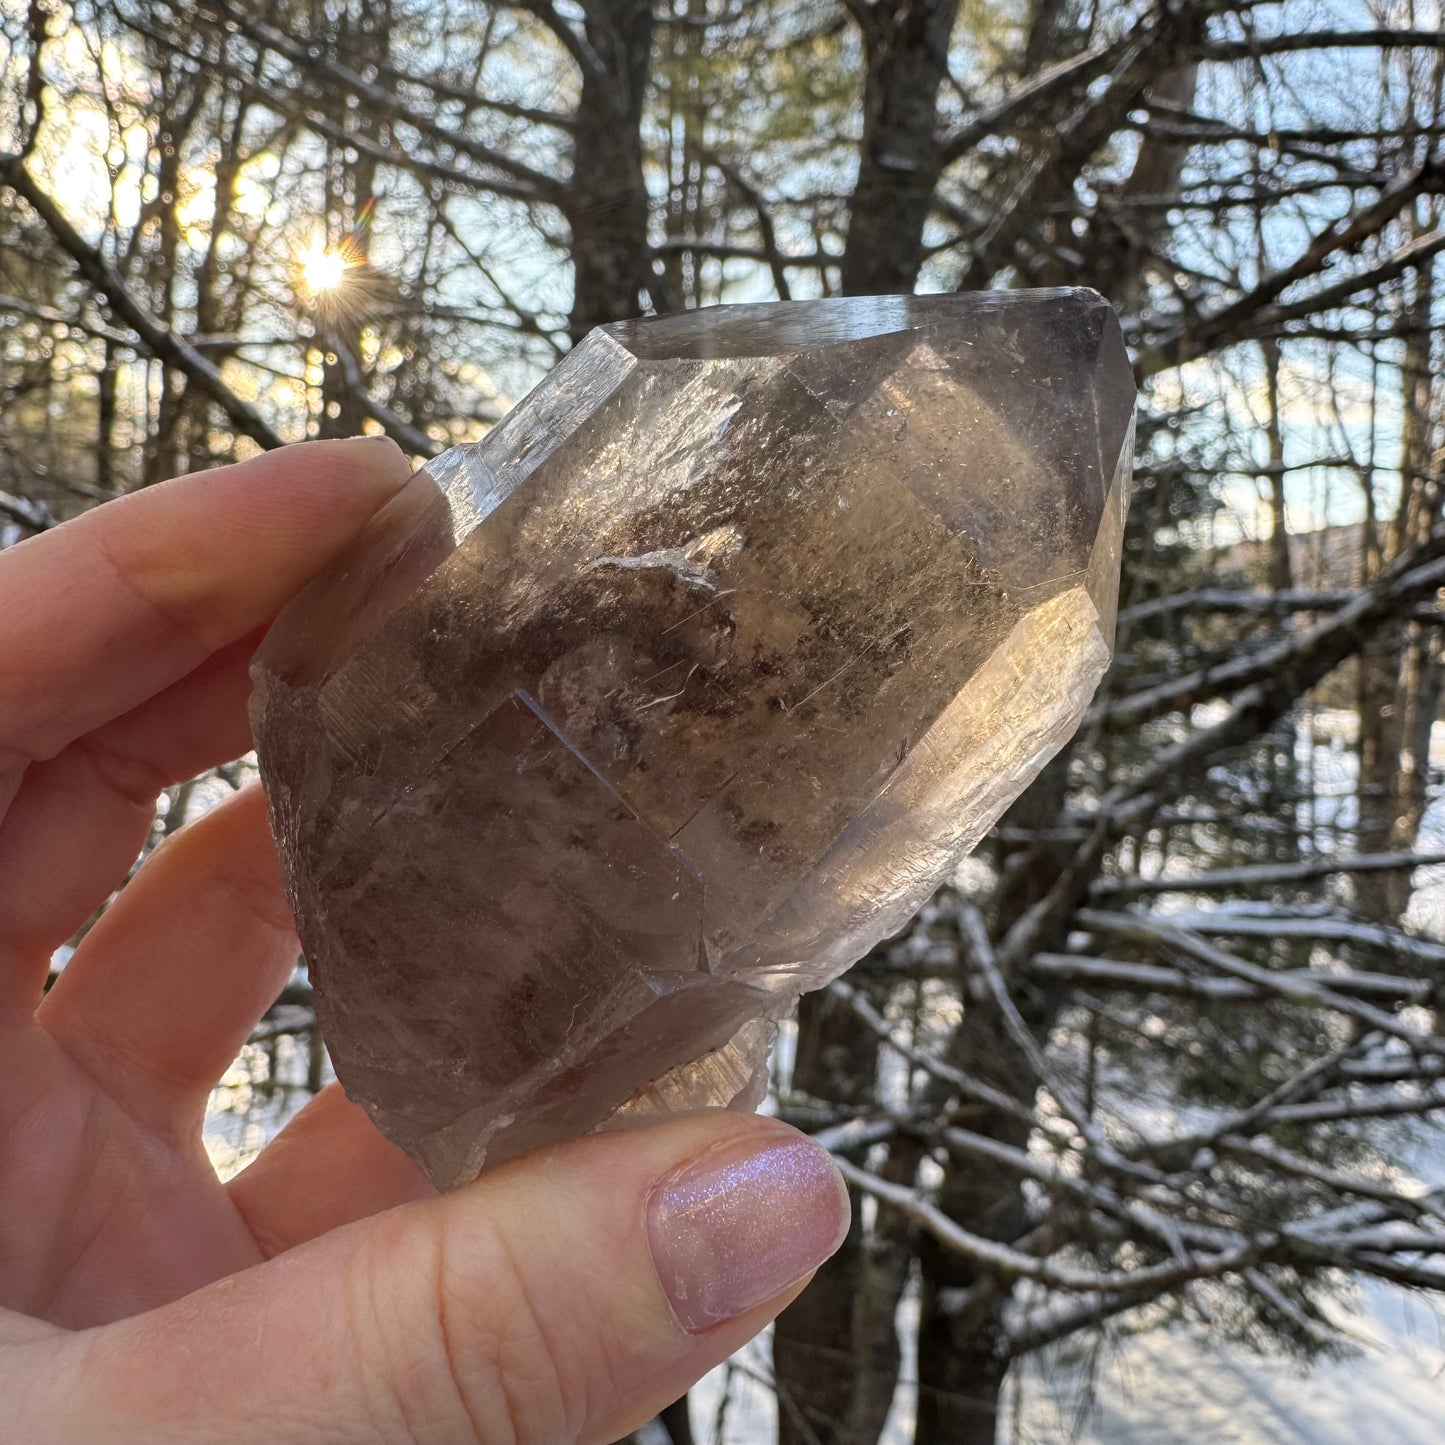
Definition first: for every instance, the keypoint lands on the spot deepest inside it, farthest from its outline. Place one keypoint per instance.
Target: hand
(325, 1293)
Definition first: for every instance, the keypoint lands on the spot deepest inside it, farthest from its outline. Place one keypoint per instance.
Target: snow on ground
(1173, 1387)
(1178, 1385)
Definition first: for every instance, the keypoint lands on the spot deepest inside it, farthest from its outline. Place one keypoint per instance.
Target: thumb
(567, 1296)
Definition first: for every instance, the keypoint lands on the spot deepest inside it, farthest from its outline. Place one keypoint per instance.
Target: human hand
(325, 1293)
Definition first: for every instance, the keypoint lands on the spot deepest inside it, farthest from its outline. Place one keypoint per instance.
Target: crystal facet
(617, 730)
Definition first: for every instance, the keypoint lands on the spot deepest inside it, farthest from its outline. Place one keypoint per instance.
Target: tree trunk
(849, 1311)
(905, 43)
(963, 1353)
(1281, 573)
(837, 1060)
(883, 1272)
(181, 104)
(1129, 237)
(105, 422)
(962, 1348)
(1054, 32)
(1400, 673)
(606, 203)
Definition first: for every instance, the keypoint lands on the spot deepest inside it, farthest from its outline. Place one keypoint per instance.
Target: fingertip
(370, 462)
(742, 1222)
(709, 1225)
(320, 492)
(224, 550)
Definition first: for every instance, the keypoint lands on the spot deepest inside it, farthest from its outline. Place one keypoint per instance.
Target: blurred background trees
(1170, 1047)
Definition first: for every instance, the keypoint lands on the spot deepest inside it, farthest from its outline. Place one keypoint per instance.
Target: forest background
(1162, 1064)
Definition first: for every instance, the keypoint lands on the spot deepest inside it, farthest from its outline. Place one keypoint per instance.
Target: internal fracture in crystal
(664, 702)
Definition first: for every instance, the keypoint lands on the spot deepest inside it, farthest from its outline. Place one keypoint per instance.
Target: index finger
(123, 665)
(115, 606)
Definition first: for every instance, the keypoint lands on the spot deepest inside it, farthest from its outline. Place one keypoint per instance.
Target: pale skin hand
(323, 1294)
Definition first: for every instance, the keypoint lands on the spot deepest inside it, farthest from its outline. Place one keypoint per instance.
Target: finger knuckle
(483, 1360)
(493, 1313)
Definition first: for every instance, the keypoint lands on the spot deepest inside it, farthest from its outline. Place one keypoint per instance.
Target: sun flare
(322, 269)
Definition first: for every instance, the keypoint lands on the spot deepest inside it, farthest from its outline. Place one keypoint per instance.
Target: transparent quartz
(663, 703)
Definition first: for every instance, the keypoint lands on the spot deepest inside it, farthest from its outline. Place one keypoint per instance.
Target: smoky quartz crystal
(669, 698)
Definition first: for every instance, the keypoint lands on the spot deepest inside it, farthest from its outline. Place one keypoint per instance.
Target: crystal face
(617, 730)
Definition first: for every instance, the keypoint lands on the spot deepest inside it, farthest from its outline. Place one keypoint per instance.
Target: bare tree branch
(106, 281)
(1289, 984)
(1263, 875)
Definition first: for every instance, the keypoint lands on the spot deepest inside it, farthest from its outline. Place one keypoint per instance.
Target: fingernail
(373, 441)
(374, 448)
(736, 1226)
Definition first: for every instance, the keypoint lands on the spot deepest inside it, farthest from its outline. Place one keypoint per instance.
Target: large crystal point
(620, 728)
